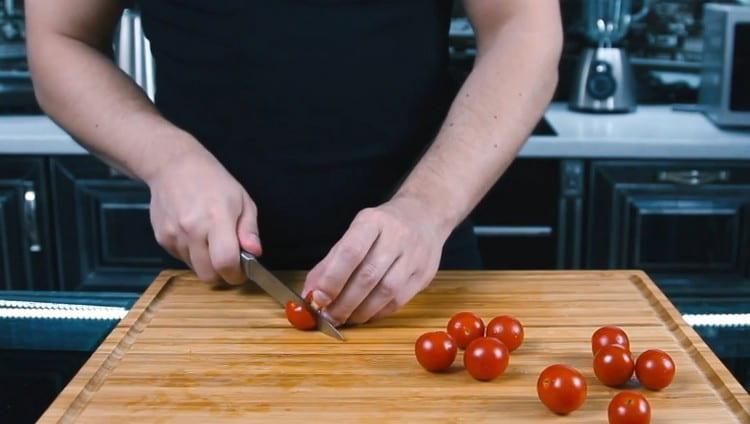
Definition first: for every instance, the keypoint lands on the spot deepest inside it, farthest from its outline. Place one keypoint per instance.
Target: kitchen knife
(281, 293)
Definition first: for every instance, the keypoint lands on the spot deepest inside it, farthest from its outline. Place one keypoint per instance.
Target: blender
(604, 78)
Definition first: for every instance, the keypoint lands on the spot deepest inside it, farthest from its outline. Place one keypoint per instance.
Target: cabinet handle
(512, 231)
(32, 223)
(693, 177)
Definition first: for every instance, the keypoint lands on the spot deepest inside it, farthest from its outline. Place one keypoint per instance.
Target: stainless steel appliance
(604, 80)
(725, 79)
(133, 52)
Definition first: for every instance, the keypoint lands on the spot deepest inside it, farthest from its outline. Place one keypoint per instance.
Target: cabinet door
(24, 237)
(669, 216)
(105, 240)
(517, 222)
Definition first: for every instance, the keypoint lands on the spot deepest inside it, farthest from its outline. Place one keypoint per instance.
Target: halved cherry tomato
(435, 351)
(561, 388)
(609, 335)
(486, 358)
(629, 408)
(465, 327)
(655, 369)
(299, 316)
(613, 365)
(506, 329)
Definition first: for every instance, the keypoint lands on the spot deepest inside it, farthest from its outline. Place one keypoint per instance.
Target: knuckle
(328, 282)
(390, 288)
(369, 274)
(349, 252)
(188, 225)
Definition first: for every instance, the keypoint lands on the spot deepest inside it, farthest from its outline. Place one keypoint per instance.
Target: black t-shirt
(318, 107)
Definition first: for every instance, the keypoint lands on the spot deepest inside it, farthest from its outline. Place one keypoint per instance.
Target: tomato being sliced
(629, 408)
(561, 388)
(486, 358)
(655, 369)
(609, 335)
(506, 329)
(435, 351)
(299, 316)
(464, 327)
(613, 365)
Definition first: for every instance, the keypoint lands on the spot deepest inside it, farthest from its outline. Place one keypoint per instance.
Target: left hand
(388, 255)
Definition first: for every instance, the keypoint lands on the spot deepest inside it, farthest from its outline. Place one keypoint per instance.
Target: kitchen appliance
(133, 51)
(725, 79)
(282, 294)
(604, 80)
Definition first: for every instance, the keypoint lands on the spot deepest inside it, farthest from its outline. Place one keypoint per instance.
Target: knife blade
(282, 294)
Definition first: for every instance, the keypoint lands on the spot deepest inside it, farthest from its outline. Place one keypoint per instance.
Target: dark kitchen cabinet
(531, 218)
(25, 249)
(669, 217)
(102, 226)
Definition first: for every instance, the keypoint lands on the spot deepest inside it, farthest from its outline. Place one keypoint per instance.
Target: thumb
(247, 227)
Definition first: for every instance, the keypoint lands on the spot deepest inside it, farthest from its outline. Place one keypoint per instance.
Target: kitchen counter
(653, 131)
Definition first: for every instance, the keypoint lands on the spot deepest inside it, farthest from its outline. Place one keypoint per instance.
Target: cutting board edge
(718, 375)
(75, 397)
(82, 387)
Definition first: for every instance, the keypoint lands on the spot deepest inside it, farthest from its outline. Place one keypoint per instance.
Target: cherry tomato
(435, 351)
(613, 365)
(465, 327)
(629, 408)
(610, 335)
(655, 369)
(486, 358)
(561, 388)
(506, 329)
(299, 316)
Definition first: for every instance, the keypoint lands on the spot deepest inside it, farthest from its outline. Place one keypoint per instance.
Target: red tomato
(465, 327)
(606, 336)
(435, 351)
(561, 388)
(655, 369)
(299, 316)
(506, 329)
(613, 365)
(629, 408)
(486, 358)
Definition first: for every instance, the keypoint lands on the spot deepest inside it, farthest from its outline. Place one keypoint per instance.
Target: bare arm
(77, 84)
(512, 82)
(199, 212)
(392, 252)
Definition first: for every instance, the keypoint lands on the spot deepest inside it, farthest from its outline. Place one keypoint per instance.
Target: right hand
(202, 216)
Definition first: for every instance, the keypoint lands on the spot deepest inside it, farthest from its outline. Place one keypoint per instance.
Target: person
(328, 129)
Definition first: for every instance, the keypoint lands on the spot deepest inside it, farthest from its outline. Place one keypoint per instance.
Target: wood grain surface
(190, 352)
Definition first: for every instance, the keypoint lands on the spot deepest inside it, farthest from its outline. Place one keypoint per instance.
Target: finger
(183, 252)
(201, 261)
(391, 308)
(247, 227)
(415, 285)
(224, 251)
(368, 274)
(331, 274)
(394, 281)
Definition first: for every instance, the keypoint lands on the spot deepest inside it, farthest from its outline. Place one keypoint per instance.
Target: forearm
(102, 108)
(501, 101)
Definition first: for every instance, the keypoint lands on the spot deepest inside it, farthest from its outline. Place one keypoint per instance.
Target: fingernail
(321, 298)
(253, 238)
(329, 318)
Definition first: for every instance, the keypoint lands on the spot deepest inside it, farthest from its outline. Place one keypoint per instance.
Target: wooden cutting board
(188, 352)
